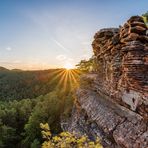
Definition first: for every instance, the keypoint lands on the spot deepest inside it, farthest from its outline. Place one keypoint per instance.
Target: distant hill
(16, 70)
(3, 69)
(19, 84)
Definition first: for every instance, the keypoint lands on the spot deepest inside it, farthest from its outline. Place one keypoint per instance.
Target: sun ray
(76, 74)
(62, 79)
(57, 76)
(79, 72)
(73, 75)
(65, 81)
(68, 79)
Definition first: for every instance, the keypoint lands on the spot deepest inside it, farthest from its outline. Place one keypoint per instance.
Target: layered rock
(123, 62)
(112, 103)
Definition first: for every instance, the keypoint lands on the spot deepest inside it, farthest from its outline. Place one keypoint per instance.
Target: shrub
(66, 140)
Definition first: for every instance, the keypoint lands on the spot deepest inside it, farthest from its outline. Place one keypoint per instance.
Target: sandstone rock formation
(112, 103)
(122, 57)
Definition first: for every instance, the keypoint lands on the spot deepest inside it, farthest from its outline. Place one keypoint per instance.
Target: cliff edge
(112, 102)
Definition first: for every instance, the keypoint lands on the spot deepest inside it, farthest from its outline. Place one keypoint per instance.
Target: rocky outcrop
(122, 57)
(112, 103)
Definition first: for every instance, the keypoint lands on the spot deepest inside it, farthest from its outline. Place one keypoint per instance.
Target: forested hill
(17, 84)
(3, 69)
(28, 98)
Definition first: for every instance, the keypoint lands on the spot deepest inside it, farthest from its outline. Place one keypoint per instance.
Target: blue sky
(41, 34)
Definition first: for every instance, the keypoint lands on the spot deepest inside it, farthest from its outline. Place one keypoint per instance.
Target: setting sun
(68, 66)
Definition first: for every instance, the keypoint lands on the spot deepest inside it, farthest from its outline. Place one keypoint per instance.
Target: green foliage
(66, 140)
(23, 117)
(48, 110)
(20, 119)
(35, 144)
(145, 17)
(13, 116)
(7, 136)
(27, 84)
(87, 65)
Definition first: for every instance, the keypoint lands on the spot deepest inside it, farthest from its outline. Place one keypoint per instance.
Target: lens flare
(68, 66)
(68, 78)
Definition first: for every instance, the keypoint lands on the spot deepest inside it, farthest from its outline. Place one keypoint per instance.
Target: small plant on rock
(66, 140)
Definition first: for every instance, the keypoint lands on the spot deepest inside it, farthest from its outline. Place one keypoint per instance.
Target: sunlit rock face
(112, 103)
(122, 57)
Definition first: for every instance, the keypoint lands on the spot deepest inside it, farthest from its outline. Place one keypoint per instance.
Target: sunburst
(68, 66)
(68, 79)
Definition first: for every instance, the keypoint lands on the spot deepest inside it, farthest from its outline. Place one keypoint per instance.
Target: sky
(43, 34)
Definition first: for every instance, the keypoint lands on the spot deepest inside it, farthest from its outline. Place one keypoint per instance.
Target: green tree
(46, 111)
(87, 65)
(35, 144)
(7, 136)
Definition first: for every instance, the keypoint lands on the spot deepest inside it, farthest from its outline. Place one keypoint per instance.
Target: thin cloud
(10, 62)
(5, 62)
(16, 62)
(70, 59)
(61, 57)
(60, 45)
(8, 48)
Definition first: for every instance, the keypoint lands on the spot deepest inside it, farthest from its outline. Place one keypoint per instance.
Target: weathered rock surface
(123, 64)
(112, 103)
